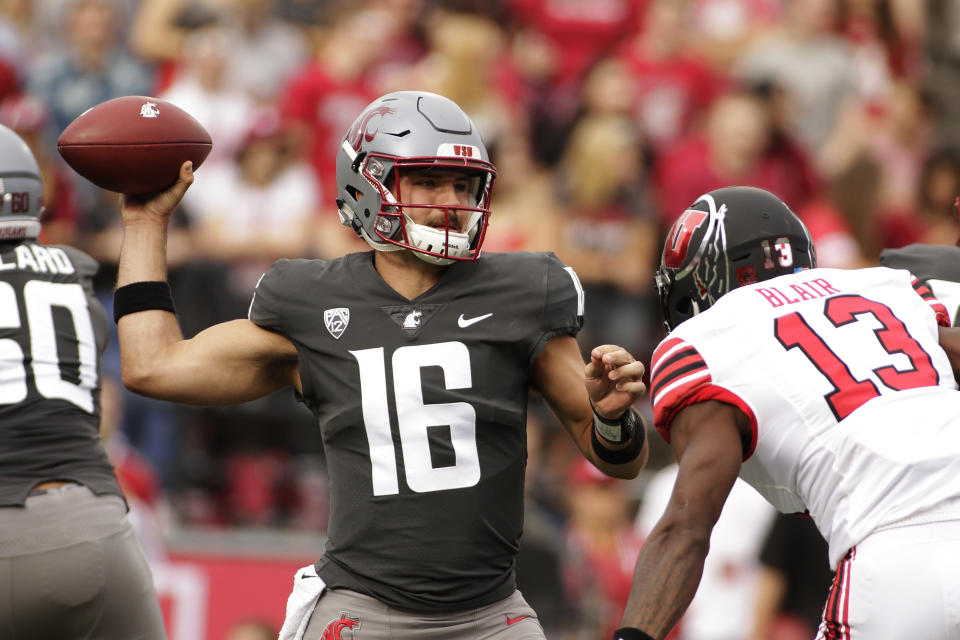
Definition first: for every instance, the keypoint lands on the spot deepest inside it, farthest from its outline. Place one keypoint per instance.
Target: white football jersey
(854, 406)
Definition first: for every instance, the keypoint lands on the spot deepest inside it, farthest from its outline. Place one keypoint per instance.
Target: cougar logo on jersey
(412, 321)
(336, 321)
(336, 629)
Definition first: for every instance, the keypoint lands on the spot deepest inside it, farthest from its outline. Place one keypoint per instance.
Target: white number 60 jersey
(854, 406)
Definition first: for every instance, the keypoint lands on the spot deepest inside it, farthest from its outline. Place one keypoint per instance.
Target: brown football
(133, 144)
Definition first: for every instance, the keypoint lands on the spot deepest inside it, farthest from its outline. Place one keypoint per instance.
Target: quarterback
(416, 358)
(826, 390)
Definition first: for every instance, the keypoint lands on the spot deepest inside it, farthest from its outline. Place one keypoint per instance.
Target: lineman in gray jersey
(416, 359)
(70, 565)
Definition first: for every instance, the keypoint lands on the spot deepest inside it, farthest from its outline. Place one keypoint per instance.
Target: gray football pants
(348, 615)
(71, 568)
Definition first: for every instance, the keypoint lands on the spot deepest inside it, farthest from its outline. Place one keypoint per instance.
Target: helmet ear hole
(352, 191)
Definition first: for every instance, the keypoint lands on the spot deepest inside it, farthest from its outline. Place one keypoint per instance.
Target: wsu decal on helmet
(336, 629)
(361, 130)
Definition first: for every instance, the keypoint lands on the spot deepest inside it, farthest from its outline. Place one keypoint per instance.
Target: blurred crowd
(605, 119)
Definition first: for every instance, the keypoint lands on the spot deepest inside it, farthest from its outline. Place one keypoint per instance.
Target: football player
(937, 266)
(70, 564)
(829, 392)
(416, 358)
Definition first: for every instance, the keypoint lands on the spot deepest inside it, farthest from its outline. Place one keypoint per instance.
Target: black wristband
(629, 633)
(613, 431)
(142, 296)
(631, 422)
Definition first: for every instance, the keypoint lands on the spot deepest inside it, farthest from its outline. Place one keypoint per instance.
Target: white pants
(898, 584)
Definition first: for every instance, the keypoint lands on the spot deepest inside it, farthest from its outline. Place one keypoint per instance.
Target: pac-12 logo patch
(678, 240)
(336, 321)
(342, 628)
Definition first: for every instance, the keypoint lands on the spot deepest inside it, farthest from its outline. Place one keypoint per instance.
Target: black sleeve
(274, 295)
(563, 303)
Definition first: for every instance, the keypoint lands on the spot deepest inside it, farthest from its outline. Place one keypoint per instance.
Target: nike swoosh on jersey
(466, 322)
(511, 621)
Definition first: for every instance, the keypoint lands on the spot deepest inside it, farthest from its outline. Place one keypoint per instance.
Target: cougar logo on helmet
(427, 132)
(361, 132)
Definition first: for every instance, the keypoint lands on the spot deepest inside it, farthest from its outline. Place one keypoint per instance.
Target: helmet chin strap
(436, 240)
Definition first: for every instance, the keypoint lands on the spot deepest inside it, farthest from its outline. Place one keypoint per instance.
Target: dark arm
(706, 438)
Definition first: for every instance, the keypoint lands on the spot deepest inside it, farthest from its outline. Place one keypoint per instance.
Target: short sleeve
(563, 302)
(271, 295)
(679, 376)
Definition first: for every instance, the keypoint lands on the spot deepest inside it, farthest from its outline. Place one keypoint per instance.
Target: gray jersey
(422, 408)
(52, 332)
(936, 265)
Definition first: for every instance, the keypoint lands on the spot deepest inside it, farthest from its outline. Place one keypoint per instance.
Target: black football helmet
(728, 238)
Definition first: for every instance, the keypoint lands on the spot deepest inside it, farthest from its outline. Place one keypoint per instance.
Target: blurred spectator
(465, 59)
(323, 96)
(722, 29)
(729, 585)
(811, 63)
(204, 90)
(794, 580)
(555, 44)
(742, 145)
(30, 118)
(89, 67)
(602, 548)
(674, 86)
(525, 213)
(837, 245)
(942, 71)
(254, 209)
(896, 136)
(939, 183)
(576, 34)
(608, 229)
(264, 50)
(886, 37)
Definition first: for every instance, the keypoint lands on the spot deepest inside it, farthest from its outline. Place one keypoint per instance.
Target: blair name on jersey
(39, 259)
(816, 288)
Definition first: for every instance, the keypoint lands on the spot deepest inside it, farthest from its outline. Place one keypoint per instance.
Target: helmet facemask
(445, 242)
(407, 131)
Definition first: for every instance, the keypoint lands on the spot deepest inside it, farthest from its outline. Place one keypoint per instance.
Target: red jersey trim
(713, 392)
(680, 377)
(943, 317)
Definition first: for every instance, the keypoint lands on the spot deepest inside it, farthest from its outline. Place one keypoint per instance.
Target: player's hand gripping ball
(133, 144)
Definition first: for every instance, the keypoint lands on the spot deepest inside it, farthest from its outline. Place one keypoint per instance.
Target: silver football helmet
(412, 130)
(21, 188)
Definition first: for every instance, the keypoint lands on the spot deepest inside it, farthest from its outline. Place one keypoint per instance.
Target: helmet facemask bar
(440, 244)
(705, 275)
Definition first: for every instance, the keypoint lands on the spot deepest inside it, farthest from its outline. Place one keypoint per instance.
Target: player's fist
(614, 380)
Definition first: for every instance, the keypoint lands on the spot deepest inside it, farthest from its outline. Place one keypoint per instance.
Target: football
(133, 144)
